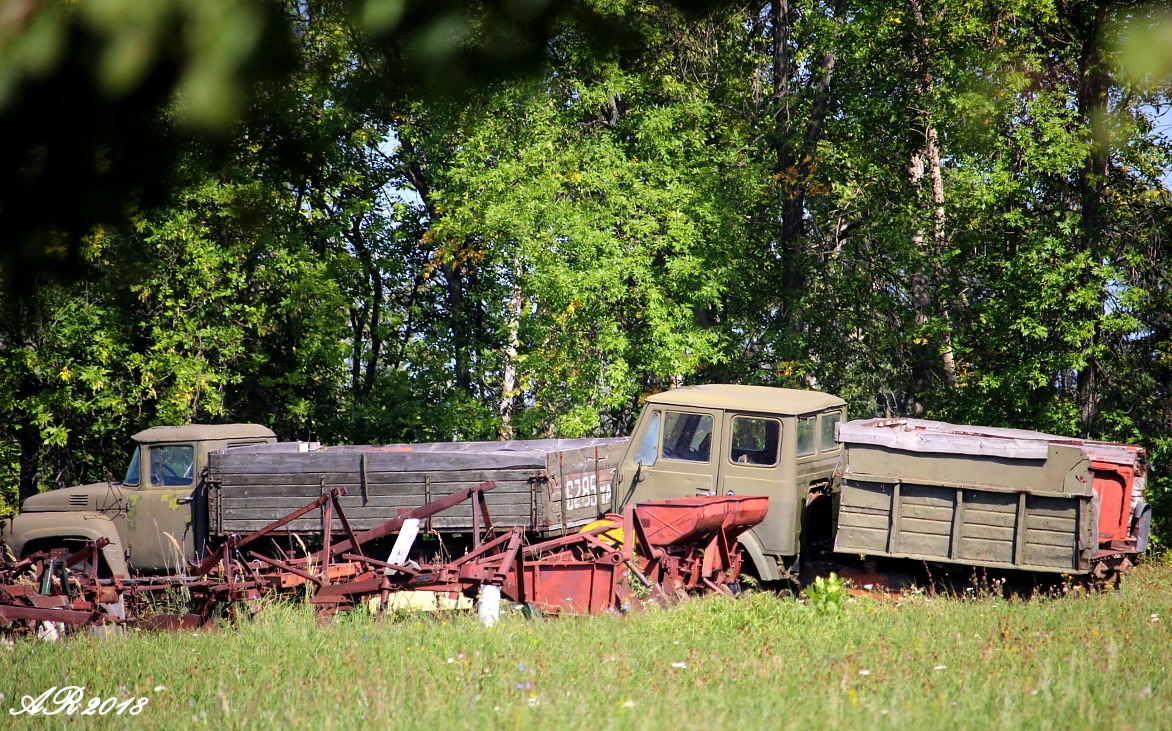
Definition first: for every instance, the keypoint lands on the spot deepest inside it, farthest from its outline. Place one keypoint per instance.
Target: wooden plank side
(373, 491)
(929, 526)
(864, 517)
(580, 485)
(380, 514)
(864, 520)
(861, 540)
(922, 545)
(1049, 538)
(866, 495)
(993, 502)
(289, 504)
(973, 516)
(326, 460)
(313, 528)
(395, 478)
(1060, 525)
(925, 527)
(1049, 507)
(996, 528)
(986, 550)
(927, 496)
(987, 532)
(1051, 557)
(257, 482)
(927, 512)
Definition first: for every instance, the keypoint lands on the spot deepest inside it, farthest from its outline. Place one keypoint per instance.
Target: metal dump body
(543, 486)
(983, 496)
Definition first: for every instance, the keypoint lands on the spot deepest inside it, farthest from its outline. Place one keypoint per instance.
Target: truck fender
(1141, 525)
(766, 567)
(29, 528)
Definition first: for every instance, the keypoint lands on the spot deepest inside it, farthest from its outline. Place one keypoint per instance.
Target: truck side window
(755, 441)
(828, 422)
(806, 435)
(648, 450)
(172, 465)
(687, 436)
(132, 470)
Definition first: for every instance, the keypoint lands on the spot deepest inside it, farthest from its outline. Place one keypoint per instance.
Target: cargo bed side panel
(969, 526)
(252, 489)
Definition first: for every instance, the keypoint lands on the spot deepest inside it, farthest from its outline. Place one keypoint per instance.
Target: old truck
(901, 488)
(188, 487)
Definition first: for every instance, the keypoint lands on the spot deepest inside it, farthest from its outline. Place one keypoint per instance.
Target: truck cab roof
(201, 432)
(762, 399)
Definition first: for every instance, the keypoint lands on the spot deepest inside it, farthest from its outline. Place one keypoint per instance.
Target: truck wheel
(73, 545)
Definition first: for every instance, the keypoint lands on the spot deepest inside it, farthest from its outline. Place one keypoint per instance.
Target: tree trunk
(1093, 83)
(454, 273)
(28, 437)
(927, 280)
(795, 160)
(509, 372)
(457, 321)
(936, 176)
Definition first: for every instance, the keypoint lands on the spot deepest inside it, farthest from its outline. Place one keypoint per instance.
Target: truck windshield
(649, 447)
(132, 470)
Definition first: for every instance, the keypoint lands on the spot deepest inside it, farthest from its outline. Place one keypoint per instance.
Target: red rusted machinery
(48, 590)
(654, 551)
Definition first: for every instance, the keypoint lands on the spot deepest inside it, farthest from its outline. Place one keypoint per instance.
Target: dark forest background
(382, 220)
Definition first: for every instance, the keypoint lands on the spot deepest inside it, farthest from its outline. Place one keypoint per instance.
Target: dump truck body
(982, 496)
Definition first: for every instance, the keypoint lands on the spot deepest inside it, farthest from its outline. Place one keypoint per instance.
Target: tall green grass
(760, 661)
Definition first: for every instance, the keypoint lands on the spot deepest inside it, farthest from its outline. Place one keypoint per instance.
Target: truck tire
(72, 545)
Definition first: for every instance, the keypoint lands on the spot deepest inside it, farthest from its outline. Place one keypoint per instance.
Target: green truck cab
(726, 439)
(152, 518)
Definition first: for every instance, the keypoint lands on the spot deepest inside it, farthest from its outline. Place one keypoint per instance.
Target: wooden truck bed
(985, 497)
(544, 486)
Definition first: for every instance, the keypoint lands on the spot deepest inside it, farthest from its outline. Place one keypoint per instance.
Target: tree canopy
(387, 220)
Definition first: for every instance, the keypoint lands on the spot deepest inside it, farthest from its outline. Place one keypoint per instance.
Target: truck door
(160, 520)
(677, 450)
(750, 464)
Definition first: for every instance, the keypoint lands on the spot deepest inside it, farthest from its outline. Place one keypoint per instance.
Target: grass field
(1096, 662)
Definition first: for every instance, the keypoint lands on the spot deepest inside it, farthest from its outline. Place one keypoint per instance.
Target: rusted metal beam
(394, 524)
(65, 616)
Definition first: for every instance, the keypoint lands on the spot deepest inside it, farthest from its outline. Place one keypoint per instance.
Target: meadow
(760, 661)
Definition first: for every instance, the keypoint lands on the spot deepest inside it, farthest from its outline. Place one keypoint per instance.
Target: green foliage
(430, 225)
(826, 594)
